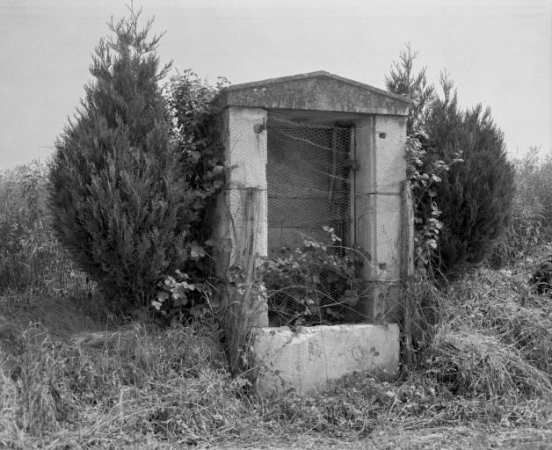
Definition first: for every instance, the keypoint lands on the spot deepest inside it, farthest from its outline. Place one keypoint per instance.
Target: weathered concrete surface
(307, 359)
(389, 158)
(245, 149)
(380, 153)
(317, 91)
(378, 119)
(239, 223)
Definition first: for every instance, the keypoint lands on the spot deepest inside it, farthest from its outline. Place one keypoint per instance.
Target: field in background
(72, 376)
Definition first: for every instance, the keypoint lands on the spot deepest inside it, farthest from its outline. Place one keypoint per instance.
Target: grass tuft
(471, 364)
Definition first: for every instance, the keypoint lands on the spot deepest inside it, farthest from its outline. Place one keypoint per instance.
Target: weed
(318, 283)
(531, 210)
(31, 259)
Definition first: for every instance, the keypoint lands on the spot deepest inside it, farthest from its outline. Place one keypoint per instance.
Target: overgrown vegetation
(72, 378)
(462, 179)
(531, 224)
(121, 195)
(31, 258)
(488, 370)
(319, 283)
(189, 291)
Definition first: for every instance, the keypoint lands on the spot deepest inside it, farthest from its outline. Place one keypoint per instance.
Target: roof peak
(316, 74)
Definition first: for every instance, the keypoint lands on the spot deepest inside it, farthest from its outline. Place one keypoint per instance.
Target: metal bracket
(351, 164)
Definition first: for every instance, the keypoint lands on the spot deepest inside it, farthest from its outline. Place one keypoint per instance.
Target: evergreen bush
(462, 180)
(475, 196)
(119, 194)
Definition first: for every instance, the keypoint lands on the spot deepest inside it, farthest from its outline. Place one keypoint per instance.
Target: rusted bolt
(259, 128)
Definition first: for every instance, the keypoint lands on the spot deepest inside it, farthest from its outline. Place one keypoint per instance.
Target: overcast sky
(499, 53)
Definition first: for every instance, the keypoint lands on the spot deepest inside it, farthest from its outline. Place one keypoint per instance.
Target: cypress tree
(118, 195)
(474, 196)
(403, 81)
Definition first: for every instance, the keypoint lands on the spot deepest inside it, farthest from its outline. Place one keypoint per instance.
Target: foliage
(427, 227)
(530, 226)
(121, 200)
(30, 256)
(487, 371)
(194, 133)
(423, 306)
(317, 283)
(461, 178)
(475, 196)
(535, 181)
(423, 173)
(243, 303)
(180, 298)
(403, 81)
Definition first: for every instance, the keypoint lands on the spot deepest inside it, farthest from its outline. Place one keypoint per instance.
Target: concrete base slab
(310, 357)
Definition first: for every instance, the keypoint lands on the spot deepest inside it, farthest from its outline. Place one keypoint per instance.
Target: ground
(72, 381)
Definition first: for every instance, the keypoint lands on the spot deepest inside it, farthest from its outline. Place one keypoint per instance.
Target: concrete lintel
(317, 91)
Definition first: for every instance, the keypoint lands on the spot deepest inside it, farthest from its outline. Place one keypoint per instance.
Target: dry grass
(98, 388)
(472, 364)
(70, 379)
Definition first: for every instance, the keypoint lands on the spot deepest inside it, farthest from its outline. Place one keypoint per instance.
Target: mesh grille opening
(309, 187)
(309, 181)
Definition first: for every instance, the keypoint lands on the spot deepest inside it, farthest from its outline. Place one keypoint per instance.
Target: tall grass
(98, 385)
(31, 259)
(531, 224)
(489, 365)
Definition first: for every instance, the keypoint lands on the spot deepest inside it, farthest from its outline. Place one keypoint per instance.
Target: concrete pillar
(380, 152)
(240, 223)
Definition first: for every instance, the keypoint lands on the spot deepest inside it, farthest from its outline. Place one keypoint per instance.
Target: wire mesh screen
(308, 182)
(309, 189)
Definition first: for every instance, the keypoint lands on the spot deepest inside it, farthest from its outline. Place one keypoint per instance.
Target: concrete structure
(378, 122)
(312, 356)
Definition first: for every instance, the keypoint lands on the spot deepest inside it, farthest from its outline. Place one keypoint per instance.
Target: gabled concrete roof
(317, 91)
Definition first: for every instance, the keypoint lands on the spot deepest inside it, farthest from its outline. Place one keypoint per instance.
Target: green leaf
(162, 296)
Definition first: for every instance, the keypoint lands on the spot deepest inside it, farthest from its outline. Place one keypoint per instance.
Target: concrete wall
(312, 356)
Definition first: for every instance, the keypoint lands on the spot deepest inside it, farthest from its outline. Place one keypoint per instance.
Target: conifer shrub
(423, 172)
(120, 194)
(462, 180)
(475, 196)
